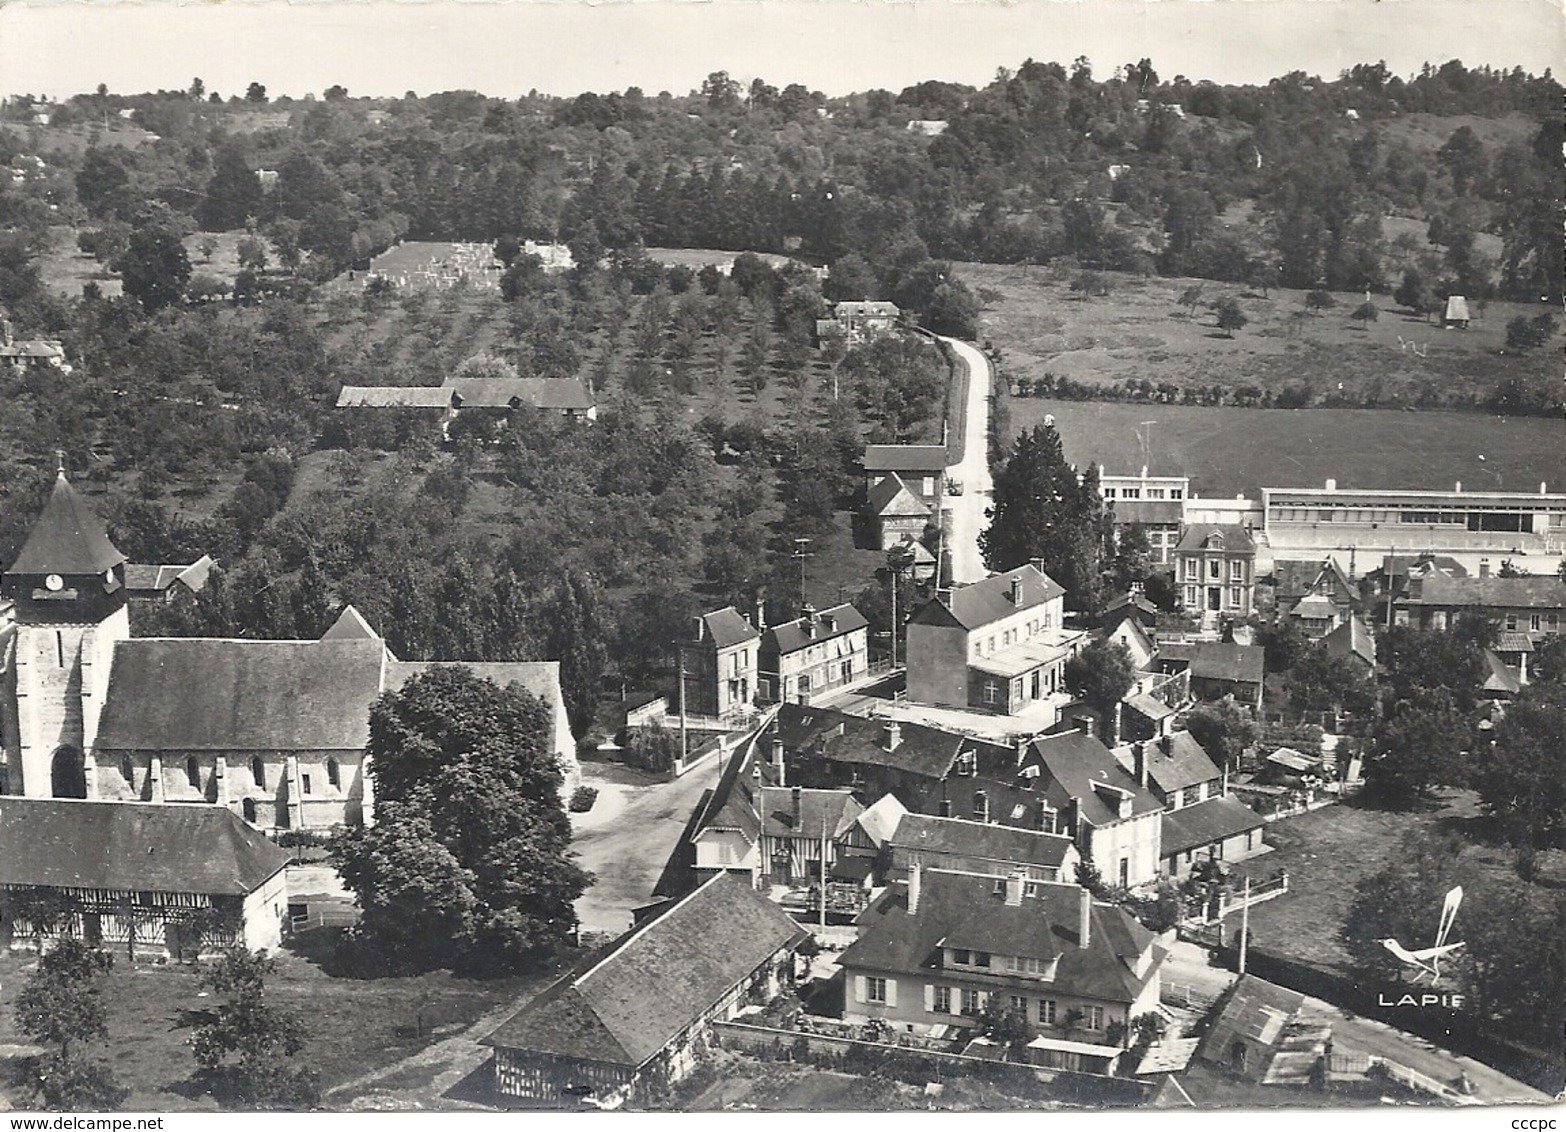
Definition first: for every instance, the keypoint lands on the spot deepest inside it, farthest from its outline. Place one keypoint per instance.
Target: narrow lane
(967, 510)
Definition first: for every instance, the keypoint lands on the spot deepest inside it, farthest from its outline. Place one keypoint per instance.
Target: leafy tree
(1400, 902)
(1523, 333)
(256, 93)
(1284, 643)
(1415, 293)
(1191, 298)
(1521, 783)
(1005, 1024)
(103, 184)
(1415, 659)
(1318, 301)
(244, 1049)
(1365, 314)
(1224, 729)
(1043, 510)
(1230, 316)
(1418, 746)
(468, 862)
(1101, 674)
(252, 254)
(953, 310)
(62, 1005)
(1323, 682)
(233, 194)
(1549, 658)
(154, 267)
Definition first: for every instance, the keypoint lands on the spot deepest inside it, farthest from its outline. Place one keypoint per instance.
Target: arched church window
(248, 809)
(334, 773)
(67, 774)
(258, 771)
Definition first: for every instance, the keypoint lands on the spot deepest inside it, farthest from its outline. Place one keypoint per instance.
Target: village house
(639, 1018)
(174, 881)
(274, 731)
(1215, 570)
(859, 321)
(899, 515)
(719, 666)
(34, 353)
(1258, 1035)
(167, 583)
(1317, 595)
(816, 652)
(1533, 605)
(959, 845)
(1353, 641)
(996, 646)
(936, 950)
(1217, 669)
(1200, 820)
(920, 467)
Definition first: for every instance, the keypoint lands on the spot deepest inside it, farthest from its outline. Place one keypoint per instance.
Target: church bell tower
(68, 586)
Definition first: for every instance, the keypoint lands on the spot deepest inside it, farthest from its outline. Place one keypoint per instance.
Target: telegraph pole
(823, 873)
(684, 744)
(800, 554)
(1245, 924)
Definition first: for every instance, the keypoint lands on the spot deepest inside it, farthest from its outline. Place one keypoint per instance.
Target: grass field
(1140, 331)
(1229, 451)
(354, 1025)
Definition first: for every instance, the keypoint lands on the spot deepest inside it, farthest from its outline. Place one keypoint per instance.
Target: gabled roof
(905, 458)
(1191, 827)
(1296, 578)
(1498, 677)
(1513, 640)
(1082, 769)
(68, 538)
(1217, 660)
(1230, 538)
(1175, 762)
(160, 579)
(921, 833)
(132, 847)
(725, 628)
(891, 498)
(655, 981)
(1399, 566)
(1456, 309)
(983, 603)
(965, 910)
(394, 397)
(350, 626)
(871, 308)
(791, 636)
(536, 392)
(1547, 591)
(880, 819)
(1255, 1012)
(833, 811)
(1127, 605)
(1352, 638)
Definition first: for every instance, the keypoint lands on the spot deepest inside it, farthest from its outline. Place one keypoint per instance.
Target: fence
(1185, 996)
(1227, 900)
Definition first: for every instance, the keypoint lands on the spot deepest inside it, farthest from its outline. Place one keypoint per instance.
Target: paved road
(967, 510)
(626, 838)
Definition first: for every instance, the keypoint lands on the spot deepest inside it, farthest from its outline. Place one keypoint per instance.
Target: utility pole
(684, 744)
(800, 554)
(1245, 924)
(823, 872)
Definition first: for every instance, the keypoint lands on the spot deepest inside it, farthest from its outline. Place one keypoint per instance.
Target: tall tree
(1101, 674)
(154, 267)
(233, 194)
(1520, 781)
(1419, 745)
(1044, 510)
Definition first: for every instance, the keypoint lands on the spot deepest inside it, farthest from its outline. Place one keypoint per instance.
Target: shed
(1456, 312)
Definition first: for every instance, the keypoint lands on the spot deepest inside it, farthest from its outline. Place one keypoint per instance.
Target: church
(273, 731)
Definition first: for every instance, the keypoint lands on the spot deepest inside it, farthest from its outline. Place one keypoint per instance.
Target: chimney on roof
(1084, 918)
(829, 622)
(1072, 822)
(1115, 725)
(1332, 485)
(1484, 567)
(761, 612)
(1139, 760)
(1144, 471)
(894, 734)
(944, 810)
(1022, 748)
(1014, 882)
(807, 620)
(797, 800)
(1123, 805)
(1166, 743)
(914, 884)
(701, 629)
(1016, 592)
(1458, 487)
(981, 806)
(779, 767)
(1037, 564)
(1089, 725)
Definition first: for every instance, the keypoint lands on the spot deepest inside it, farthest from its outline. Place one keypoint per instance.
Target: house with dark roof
(1218, 669)
(1534, 604)
(1318, 595)
(154, 880)
(938, 948)
(1215, 570)
(718, 666)
(1353, 640)
(1200, 821)
(898, 514)
(966, 846)
(997, 646)
(638, 1017)
(1155, 503)
(920, 467)
(169, 582)
(812, 654)
(1258, 1034)
(859, 320)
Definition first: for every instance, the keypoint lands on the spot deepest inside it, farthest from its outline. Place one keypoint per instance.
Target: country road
(967, 510)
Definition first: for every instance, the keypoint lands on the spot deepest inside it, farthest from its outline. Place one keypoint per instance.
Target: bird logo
(1427, 960)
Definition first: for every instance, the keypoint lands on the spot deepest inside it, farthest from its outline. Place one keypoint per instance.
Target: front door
(1214, 598)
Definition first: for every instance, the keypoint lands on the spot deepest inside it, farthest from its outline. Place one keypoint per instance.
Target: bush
(582, 799)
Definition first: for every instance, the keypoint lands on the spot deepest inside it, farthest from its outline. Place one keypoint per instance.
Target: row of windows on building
(1009, 637)
(969, 1002)
(1193, 595)
(334, 774)
(1193, 570)
(1143, 493)
(1039, 683)
(1510, 520)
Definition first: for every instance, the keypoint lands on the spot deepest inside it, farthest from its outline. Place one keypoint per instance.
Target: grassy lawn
(1229, 451)
(355, 1025)
(1327, 852)
(1140, 331)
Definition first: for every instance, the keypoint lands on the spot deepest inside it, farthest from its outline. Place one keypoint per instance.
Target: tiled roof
(725, 628)
(1184, 763)
(831, 810)
(158, 579)
(350, 626)
(1296, 577)
(1353, 637)
(891, 498)
(791, 636)
(983, 603)
(1191, 827)
(1513, 640)
(394, 397)
(132, 847)
(1229, 537)
(921, 750)
(68, 538)
(987, 841)
(1215, 660)
(537, 392)
(539, 677)
(1499, 677)
(1397, 566)
(881, 818)
(655, 981)
(865, 308)
(905, 458)
(1079, 767)
(965, 910)
(1538, 592)
(1256, 1011)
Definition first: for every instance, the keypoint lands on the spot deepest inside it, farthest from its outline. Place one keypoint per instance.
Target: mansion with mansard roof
(274, 731)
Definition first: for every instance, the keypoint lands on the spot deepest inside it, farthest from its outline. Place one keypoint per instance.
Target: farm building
(165, 880)
(638, 1016)
(1257, 1035)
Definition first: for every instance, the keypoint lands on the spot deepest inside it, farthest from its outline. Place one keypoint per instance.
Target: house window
(1014, 963)
(971, 1002)
(991, 691)
(875, 989)
(304, 783)
(334, 773)
(193, 771)
(1192, 569)
(1093, 1017)
(848, 671)
(1191, 795)
(127, 771)
(942, 1000)
(962, 957)
(1109, 493)
(1176, 493)
(258, 771)
(1237, 571)
(1191, 597)
(1234, 596)
(1511, 620)
(1214, 569)
(1132, 493)
(1018, 1003)
(1046, 1011)
(981, 958)
(1535, 622)
(1155, 493)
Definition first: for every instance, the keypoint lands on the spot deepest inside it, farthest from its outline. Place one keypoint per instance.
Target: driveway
(967, 510)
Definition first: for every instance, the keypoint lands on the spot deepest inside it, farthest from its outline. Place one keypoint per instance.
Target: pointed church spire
(68, 538)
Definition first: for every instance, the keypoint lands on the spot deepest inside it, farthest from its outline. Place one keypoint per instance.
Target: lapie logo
(1427, 960)
(1445, 1001)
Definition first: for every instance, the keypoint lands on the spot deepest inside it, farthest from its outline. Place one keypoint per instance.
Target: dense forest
(725, 435)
